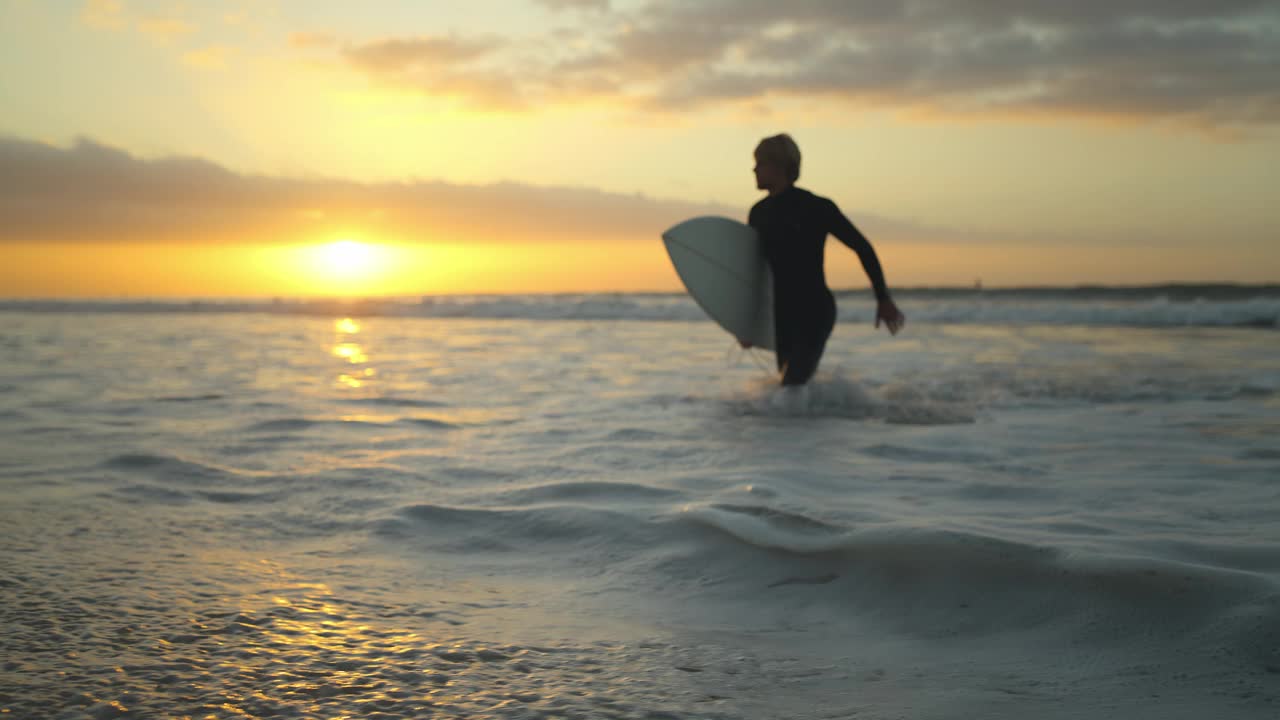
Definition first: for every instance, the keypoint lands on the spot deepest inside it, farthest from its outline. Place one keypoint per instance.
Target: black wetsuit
(793, 227)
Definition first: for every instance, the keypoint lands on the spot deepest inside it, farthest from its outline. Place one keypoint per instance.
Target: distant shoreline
(1170, 305)
(1173, 291)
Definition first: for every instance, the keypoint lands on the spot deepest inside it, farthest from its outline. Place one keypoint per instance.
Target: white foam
(1009, 308)
(837, 395)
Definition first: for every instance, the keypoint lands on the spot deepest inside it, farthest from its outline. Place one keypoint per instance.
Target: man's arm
(846, 233)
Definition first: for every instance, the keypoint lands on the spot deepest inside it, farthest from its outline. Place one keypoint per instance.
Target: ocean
(1036, 503)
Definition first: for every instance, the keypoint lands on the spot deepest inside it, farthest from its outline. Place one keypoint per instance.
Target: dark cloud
(445, 66)
(418, 53)
(1202, 63)
(90, 191)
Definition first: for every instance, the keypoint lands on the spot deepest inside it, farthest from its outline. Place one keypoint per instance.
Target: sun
(346, 266)
(347, 258)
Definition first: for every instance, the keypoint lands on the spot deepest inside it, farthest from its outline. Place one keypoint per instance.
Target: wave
(513, 529)
(943, 554)
(961, 396)
(1165, 306)
(170, 467)
(298, 424)
(921, 581)
(939, 582)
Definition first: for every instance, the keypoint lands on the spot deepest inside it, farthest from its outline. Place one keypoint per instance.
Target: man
(793, 224)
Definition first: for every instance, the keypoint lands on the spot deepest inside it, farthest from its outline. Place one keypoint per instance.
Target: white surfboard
(721, 263)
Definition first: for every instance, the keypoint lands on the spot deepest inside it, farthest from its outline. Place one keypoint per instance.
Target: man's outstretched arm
(847, 233)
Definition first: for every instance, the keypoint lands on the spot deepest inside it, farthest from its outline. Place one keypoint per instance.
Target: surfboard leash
(732, 359)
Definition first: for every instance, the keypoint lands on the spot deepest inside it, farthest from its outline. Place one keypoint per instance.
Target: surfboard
(722, 265)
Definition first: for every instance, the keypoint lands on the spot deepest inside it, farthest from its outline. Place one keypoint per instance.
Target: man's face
(768, 174)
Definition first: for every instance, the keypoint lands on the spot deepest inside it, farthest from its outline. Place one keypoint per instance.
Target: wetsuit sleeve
(845, 232)
(756, 219)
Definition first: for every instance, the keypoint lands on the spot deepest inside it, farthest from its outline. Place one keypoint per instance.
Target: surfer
(793, 224)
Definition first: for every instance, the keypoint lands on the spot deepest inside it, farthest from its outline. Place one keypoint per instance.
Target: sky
(259, 148)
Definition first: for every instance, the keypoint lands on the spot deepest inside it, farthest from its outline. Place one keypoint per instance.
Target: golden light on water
(347, 349)
(351, 352)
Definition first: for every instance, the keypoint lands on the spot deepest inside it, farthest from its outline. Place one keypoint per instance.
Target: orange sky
(271, 147)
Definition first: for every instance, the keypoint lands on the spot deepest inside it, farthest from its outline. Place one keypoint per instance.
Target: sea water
(1027, 505)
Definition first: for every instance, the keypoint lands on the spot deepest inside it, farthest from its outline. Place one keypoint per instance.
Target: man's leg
(803, 362)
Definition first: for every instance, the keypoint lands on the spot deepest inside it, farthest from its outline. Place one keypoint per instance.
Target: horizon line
(972, 288)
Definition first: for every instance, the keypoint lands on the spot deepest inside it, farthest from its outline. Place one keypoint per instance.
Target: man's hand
(891, 315)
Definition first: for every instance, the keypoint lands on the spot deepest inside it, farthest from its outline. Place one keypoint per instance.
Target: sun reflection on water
(301, 647)
(351, 352)
(346, 348)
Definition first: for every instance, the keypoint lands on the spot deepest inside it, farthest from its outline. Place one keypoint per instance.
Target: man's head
(777, 163)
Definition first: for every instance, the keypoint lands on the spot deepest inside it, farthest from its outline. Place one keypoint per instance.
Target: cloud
(115, 15)
(418, 54)
(104, 14)
(164, 29)
(1194, 63)
(600, 5)
(213, 57)
(1142, 60)
(310, 40)
(443, 65)
(90, 191)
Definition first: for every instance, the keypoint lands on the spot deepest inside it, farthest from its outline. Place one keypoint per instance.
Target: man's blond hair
(783, 151)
